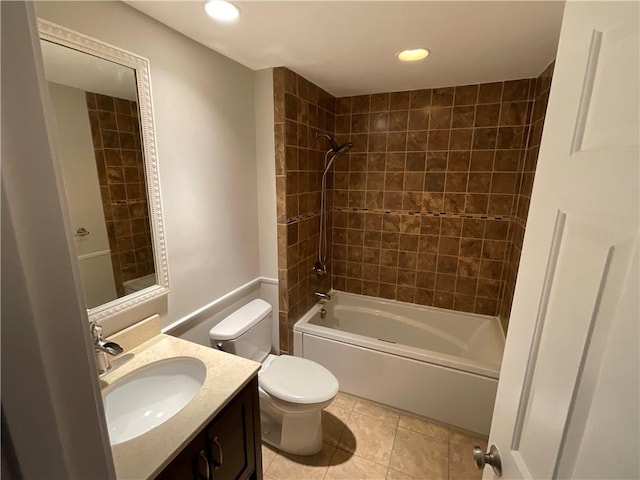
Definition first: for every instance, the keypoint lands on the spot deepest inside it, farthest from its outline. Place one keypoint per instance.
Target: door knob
(492, 458)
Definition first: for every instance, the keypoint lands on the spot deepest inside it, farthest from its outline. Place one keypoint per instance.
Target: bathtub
(433, 362)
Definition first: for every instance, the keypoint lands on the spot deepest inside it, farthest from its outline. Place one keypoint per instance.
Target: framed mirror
(101, 98)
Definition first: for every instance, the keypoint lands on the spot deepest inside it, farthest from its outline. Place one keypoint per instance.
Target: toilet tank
(246, 332)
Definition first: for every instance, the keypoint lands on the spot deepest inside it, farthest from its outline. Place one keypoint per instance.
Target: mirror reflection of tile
(116, 140)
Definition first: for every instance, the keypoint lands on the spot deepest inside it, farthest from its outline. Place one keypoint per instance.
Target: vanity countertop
(146, 455)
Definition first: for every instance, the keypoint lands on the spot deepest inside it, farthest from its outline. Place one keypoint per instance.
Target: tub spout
(323, 296)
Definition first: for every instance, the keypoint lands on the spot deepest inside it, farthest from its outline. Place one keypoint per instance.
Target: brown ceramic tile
(439, 140)
(379, 122)
(461, 139)
(456, 182)
(360, 104)
(437, 161)
(399, 100)
(490, 93)
(516, 90)
(398, 120)
(380, 102)
(420, 98)
(482, 161)
(487, 115)
(466, 95)
(442, 97)
(397, 141)
(463, 117)
(417, 141)
(479, 182)
(441, 118)
(418, 119)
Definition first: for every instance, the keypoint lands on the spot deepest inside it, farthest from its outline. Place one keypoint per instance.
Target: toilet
(293, 390)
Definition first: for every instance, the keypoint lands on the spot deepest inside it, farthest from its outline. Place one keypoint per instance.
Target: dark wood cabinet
(228, 448)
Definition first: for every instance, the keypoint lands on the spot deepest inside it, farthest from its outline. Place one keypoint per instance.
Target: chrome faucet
(101, 348)
(323, 296)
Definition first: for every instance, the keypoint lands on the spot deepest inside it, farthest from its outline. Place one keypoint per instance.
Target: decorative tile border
(476, 216)
(424, 214)
(306, 216)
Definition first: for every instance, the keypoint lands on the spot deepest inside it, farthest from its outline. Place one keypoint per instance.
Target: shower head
(337, 151)
(342, 148)
(335, 148)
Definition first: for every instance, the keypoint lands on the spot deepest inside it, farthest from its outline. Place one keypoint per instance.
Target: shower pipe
(320, 267)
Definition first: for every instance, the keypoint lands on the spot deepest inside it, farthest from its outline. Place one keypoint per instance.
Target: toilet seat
(298, 380)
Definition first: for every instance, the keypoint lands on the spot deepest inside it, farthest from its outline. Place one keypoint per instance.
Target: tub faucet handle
(323, 296)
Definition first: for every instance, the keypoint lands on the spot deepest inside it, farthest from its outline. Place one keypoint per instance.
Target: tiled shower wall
(526, 173)
(119, 158)
(428, 207)
(301, 111)
(422, 204)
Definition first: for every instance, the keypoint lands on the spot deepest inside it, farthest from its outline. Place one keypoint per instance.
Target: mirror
(101, 102)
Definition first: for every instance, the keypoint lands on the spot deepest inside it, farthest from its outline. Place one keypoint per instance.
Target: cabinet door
(191, 464)
(231, 440)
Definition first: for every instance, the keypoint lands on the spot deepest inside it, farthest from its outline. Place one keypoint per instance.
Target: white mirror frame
(77, 41)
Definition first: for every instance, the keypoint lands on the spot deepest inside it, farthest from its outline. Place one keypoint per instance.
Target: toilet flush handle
(220, 347)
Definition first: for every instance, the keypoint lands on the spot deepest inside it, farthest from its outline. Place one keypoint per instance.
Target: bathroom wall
(204, 116)
(422, 205)
(80, 175)
(118, 155)
(526, 173)
(301, 109)
(49, 385)
(266, 172)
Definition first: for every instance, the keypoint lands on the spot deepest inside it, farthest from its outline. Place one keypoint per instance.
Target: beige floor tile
(420, 456)
(267, 477)
(375, 410)
(267, 457)
(423, 426)
(334, 421)
(337, 411)
(295, 467)
(347, 466)
(369, 438)
(344, 401)
(395, 475)
(467, 440)
(461, 464)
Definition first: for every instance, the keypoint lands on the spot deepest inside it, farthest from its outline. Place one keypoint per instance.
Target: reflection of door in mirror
(95, 106)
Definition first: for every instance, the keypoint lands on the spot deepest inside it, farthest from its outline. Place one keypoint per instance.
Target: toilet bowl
(292, 390)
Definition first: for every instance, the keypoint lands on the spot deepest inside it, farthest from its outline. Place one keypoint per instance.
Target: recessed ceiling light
(413, 55)
(222, 10)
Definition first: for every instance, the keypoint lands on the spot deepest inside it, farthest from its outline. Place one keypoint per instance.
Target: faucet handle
(96, 332)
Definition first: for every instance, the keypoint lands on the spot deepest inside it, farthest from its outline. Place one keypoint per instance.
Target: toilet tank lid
(241, 320)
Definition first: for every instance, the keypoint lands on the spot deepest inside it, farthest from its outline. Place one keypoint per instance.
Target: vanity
(215, 435)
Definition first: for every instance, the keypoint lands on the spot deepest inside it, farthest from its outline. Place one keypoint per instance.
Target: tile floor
(368, 441)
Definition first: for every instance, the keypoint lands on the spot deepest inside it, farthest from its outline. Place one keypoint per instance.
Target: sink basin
(151, 395)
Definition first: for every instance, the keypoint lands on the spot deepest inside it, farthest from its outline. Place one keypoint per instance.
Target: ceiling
(349, 48)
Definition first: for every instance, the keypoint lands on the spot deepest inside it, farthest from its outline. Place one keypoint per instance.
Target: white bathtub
(430, 361)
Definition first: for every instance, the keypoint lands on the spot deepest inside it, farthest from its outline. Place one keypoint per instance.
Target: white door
(567, 403)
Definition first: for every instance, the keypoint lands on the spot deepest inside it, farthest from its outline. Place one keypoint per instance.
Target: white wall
(205, 128)
(50, 393)
(266, 166)
(80, 174)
